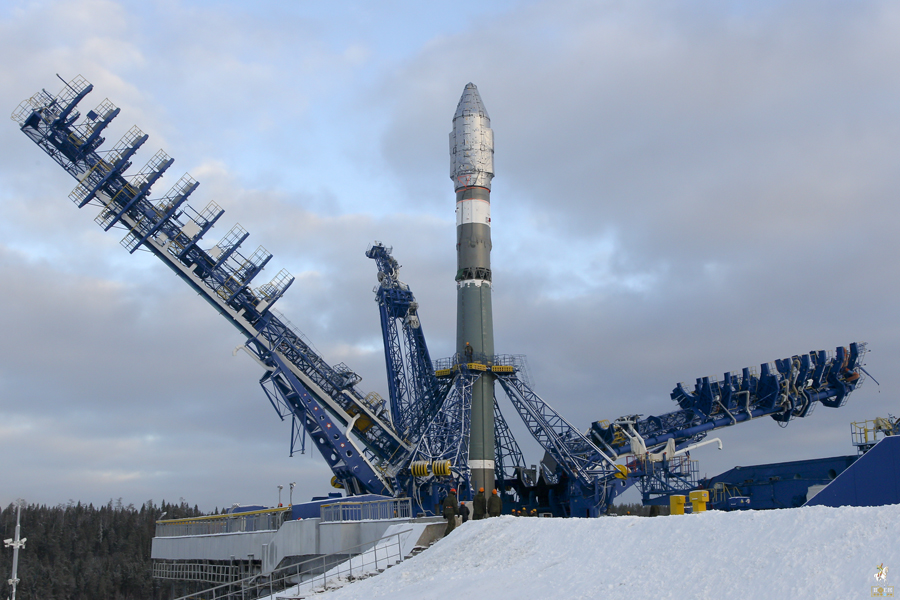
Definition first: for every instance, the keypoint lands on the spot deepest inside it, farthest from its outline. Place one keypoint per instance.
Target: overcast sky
(682, 189)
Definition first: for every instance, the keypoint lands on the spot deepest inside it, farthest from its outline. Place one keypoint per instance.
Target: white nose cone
(471, 142)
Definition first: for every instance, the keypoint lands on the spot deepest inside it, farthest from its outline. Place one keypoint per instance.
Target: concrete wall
(306, 538)
(295, 538)
(336, 537)
(221, 546)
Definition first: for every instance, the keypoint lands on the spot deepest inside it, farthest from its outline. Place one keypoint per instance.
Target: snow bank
(814, 552)
(398, 540)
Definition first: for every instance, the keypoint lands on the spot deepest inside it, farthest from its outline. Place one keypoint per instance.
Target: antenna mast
(15, 544)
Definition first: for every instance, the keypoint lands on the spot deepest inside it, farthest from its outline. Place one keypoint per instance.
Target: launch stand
(441, 426)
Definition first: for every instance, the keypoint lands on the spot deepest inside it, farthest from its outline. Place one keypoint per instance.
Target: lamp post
(15, 544)
(291, 496)
(280, 487)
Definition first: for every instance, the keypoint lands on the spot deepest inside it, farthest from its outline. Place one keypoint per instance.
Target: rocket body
(472, 169)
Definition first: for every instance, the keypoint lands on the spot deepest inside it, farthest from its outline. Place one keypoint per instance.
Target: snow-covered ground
(399, 540)
(814, 552)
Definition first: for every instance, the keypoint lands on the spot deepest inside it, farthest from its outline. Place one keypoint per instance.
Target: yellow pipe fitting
(419, 468)
(441, 468)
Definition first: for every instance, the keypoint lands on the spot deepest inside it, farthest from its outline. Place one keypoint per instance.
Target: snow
(398, 540)
(813, 552)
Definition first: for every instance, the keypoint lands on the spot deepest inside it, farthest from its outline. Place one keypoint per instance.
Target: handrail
(278, 577)
(258, 520)
(372, 510)
(224, 515)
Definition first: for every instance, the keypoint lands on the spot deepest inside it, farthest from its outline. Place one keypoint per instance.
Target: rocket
(471, 169)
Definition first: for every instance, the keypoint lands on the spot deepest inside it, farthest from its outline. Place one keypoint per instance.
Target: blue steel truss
(433, 411)
(508, 459)
(369, 448)
(321, 398)
(655, 478)
(786, 390)
(416, 394)
(573, 451)
(289, 396)
(447, 435)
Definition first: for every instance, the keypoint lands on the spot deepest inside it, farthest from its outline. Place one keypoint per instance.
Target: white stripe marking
(481, 464)
(473, 210)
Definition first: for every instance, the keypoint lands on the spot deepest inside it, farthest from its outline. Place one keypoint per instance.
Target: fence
(375, 510)
(259, 520)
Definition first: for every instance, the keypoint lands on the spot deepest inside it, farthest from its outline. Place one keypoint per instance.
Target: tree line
(78, 551)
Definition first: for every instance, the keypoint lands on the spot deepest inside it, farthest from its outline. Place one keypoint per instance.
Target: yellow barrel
(676, 505)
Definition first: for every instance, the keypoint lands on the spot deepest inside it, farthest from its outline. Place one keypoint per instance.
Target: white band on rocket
(473, 210)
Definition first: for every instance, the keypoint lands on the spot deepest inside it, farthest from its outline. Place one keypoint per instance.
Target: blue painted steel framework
(355, 439)
(430, 410)
(789, 389)
(419, 446)
(416, 394)
(446, 440)
(509, 463)
(590, 472)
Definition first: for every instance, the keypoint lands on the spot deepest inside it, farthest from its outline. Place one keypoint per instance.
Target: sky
(681, 189)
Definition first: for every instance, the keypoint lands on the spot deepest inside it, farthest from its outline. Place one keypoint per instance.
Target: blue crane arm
(172, 231)
(393, 303)
(786, 390)
(416, 394)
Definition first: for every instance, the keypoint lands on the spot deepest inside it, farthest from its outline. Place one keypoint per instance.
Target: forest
(82, 552)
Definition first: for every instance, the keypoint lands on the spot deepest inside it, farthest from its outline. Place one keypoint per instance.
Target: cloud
(681, 190)
(675, 188)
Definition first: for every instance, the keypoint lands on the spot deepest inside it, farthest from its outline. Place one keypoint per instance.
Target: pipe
(697, 445)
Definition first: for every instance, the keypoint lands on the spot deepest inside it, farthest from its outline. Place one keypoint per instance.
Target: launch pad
(441, 427)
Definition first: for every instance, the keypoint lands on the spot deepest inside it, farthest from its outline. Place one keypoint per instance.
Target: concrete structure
(294, 539)
(199, 553)
(472, 169)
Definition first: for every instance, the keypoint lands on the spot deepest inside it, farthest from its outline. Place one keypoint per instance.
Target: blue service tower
(471, 169)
